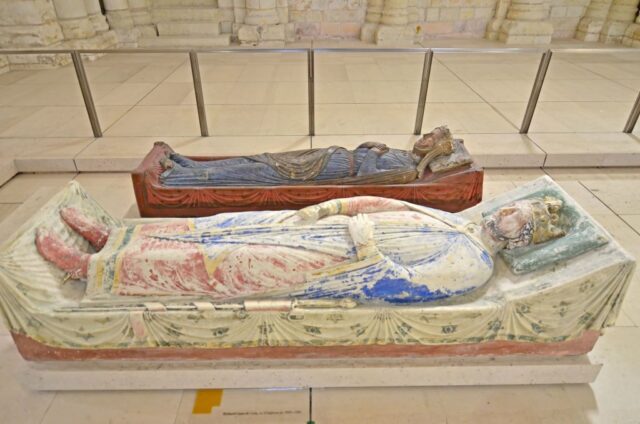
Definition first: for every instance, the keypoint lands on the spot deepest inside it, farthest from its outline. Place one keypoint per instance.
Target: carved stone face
(431, 140)
(525, 222)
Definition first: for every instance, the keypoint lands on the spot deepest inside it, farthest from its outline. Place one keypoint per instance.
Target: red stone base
(451, 191)
(32, 350)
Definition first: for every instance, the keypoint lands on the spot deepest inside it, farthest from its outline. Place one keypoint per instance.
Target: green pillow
(582, 235)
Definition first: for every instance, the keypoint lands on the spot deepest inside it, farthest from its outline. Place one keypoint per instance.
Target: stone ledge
(388, 372)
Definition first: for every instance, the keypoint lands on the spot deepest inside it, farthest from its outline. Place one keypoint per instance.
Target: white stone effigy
(534, 303)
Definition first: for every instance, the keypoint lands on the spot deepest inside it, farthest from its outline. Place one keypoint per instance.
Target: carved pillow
(582, 235)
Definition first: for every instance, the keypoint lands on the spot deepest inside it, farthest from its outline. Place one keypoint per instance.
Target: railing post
(197, 88)
(424, 87)
(633, 116)
(86, 93)
(535, 91)
(312, 96)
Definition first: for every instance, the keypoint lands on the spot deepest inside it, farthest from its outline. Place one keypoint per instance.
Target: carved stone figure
(366, 248)
(357, 277)
(370, 163)
(207, 185)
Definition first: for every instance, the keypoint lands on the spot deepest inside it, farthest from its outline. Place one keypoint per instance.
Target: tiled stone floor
(584, 104)
(610, 195)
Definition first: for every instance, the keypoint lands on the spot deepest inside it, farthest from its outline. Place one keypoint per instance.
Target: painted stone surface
(452, 188)
(556, 309)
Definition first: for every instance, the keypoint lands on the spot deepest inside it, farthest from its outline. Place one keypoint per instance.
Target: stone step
(186, 41)
(188, 14)
(184, 3)
(188, 28)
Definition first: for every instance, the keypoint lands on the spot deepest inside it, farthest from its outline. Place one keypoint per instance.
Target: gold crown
(545, 219)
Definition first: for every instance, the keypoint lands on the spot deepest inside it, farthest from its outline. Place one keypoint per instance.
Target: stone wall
(327, 18)
(565, 16)
(194, 23)
(432, 18)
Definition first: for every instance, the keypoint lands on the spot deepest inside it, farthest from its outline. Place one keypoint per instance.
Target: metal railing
(545, 61)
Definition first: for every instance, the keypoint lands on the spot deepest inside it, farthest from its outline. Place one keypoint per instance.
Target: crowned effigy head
(440, 138)
(526, 222)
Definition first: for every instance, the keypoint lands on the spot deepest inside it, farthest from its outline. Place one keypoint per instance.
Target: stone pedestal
(632, 34)
(594, 18)
(336, 372)
(98, 20)
(141, 17)
(188, 23)
(121, 22)
(77, 28)
(620, 17)
(388, 23)
(527, 22)
(266, 23)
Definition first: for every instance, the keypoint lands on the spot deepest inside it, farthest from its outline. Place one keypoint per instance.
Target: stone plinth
(98, 20)
(141, 17)
(265, 23)
(121, 22)
(187, 23)
(527, 22)
(78, 29)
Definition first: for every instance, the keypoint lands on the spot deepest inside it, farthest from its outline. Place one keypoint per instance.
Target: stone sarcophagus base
(532, 327)
(452, 191)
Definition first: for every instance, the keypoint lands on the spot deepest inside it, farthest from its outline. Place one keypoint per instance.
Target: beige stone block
(305, 16)
(318, 4)
(394, 35)
(248, 34)
(438, 28)
(449, 14)
(527, 13)
(31, 35)
(613, 32)
(368, 32)
(558, 12)
(188, 28)
(483, 12)
(433, 14)
(273, 32)
(344, 16)
(523, 32)
(306, 30)
(4, 64)
(33, 12)
(182, 14)
(340, 29)
(267, 4)
(121, 19)
(77, 28)
(475, 26)
(337, 4)
(623, 14)
(467, 13)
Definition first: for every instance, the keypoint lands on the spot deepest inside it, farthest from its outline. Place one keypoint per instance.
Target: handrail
(484, 50)
(429, 52)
